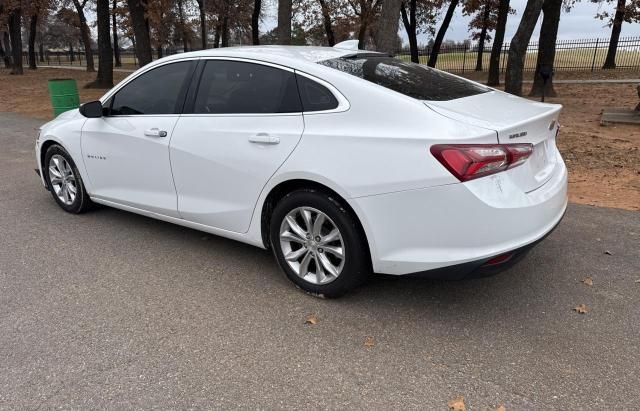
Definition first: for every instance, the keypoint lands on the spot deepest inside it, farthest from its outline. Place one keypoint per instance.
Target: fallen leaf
(588, 281)
(607, 252)
(311, 320)
(457, 404)
(369, 342)
(581, 309)
(501, 408)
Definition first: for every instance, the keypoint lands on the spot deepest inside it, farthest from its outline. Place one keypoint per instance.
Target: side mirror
(92, 109)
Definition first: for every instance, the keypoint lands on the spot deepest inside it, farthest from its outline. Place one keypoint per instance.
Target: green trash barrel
(64, 95)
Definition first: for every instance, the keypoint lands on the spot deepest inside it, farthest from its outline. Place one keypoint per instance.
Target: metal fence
(583, 54)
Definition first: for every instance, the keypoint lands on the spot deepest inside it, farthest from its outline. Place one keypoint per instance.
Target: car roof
(292, 56)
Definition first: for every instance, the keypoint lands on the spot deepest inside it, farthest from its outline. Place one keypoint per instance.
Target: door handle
(264, 138)
(155, 132)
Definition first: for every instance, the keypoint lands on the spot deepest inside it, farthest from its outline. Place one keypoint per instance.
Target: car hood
(63, 117)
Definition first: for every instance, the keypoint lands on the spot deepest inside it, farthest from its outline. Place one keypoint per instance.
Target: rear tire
(64, 181)
(318, 243)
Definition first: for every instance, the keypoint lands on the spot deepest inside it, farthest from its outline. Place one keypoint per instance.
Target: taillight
(469, 161)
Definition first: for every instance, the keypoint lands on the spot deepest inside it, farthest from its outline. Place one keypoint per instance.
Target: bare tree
(15, 33)
(285, 13)
(84, 33)
(105, 52)
(140, 31)
(518, 48)
(387, 32)
(326, 22)
(496, 50)
(33, 26)
(435, 49)
(203, 23)
(625, 11)
(547, 48)
(255, 22)
(114, 28)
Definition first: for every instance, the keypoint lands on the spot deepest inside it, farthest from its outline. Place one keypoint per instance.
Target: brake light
(469, 161)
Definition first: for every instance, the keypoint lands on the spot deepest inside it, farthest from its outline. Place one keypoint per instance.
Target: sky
(579, 23)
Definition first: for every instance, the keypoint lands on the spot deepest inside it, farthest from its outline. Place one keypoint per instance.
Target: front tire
(318, 243)
(64, 181)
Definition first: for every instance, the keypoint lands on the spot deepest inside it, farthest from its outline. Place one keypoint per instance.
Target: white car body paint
(373, 151)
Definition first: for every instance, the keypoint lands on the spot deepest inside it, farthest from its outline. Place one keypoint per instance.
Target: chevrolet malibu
(341, 161)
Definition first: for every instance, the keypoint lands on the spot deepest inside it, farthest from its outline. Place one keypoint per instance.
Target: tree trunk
(224, 28)
(4, 56)
(104, 78)
(498, 40)
(216, 37)
(85, 35)
(15, 17)
(362, 32)
(203, 23)
(114, 29)
(610, 61)
(326, 20)
(283, 30)
(409, 22)
(255, 22)
(387, 30)
(41, 51)
(483, 35)
(140, 31)
(547, 48)
(7, 50)
(518, 48)
(159, 51)
(33, 26)
(185, 43)
(433, 58)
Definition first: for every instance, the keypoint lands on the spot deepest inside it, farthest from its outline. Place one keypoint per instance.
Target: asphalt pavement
(118, 311)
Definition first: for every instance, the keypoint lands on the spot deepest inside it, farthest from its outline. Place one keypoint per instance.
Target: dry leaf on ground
(369, 342)
(588, 281)
(501, 408)
(311, 320)
(581, 309)
(457, 404)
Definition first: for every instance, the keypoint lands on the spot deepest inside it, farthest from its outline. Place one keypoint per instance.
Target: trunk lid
(515, 120)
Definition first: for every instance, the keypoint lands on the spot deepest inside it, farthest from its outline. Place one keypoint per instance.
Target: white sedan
(343, 162)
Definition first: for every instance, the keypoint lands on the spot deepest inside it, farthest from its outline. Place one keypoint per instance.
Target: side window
(159, 91)
(315, 96)
(235, 87)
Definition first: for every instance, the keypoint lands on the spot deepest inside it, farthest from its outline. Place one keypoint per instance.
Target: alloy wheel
(312, 245)
(63, 181)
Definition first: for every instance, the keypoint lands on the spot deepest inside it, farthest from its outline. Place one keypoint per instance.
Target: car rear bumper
(459, 226)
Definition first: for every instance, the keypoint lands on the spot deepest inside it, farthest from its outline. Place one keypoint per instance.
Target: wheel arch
(283, 188)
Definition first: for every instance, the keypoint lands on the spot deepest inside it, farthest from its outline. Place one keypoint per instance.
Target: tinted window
(159, 91)
(233, 87)
(315, 97)
(413, 80)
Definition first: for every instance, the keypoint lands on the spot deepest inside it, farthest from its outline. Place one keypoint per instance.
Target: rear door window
(236, 87)
(413, 80)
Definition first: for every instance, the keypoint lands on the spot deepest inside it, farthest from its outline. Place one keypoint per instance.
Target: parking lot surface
(114, 310)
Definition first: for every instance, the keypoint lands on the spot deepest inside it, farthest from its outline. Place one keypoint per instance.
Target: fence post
(464, 56)
(593, 62)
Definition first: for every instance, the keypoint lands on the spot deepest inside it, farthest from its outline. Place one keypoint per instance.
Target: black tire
(81, 202)
(357, 263)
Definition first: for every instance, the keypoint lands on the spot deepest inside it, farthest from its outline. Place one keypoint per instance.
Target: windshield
(413, 80)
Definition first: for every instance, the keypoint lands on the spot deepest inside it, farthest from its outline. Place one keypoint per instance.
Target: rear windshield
(413, 80)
